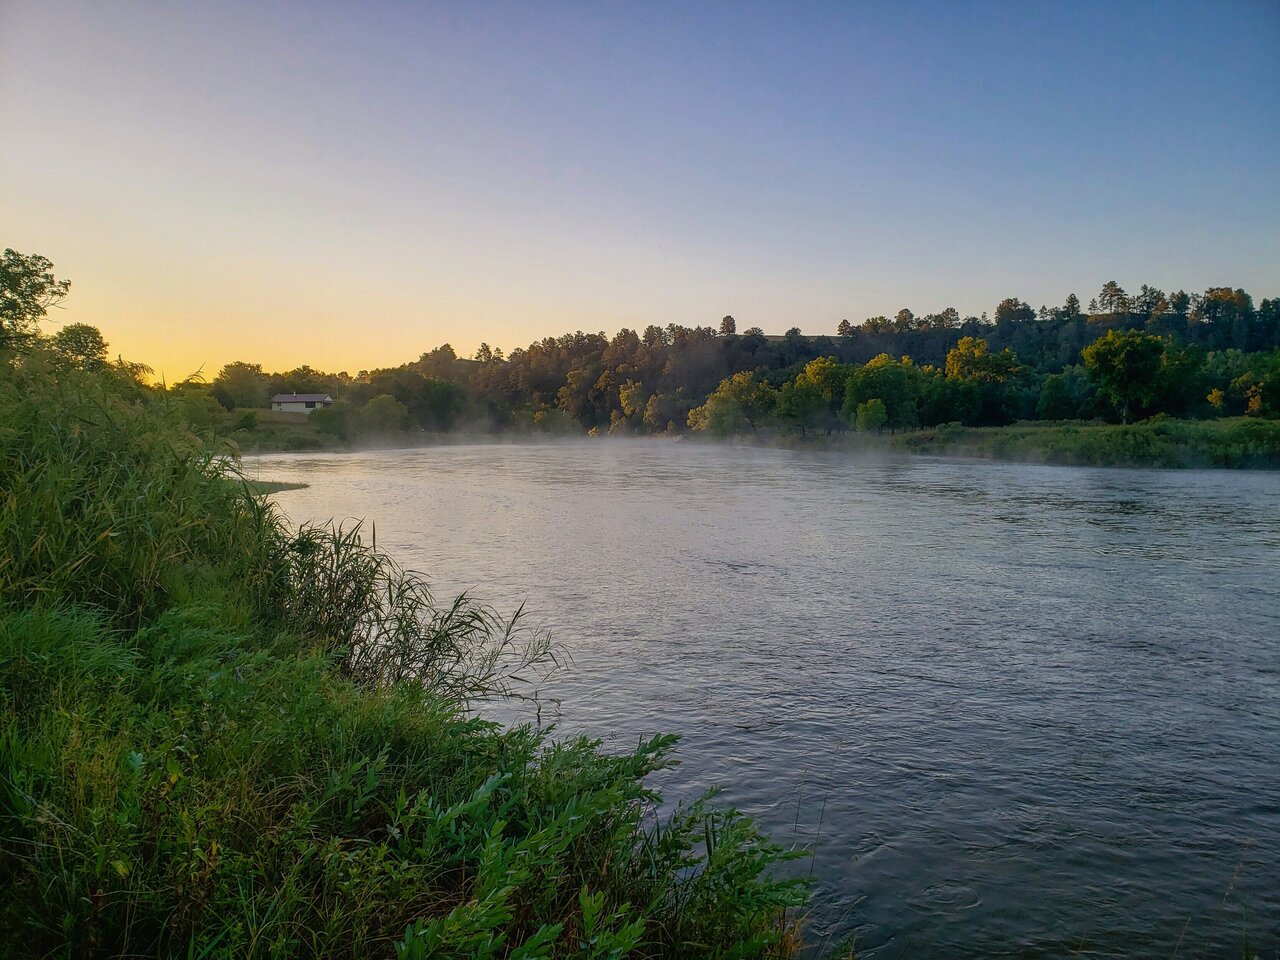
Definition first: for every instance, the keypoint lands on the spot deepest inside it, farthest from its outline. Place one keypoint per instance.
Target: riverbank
(1228, 443)
(227, 737)
(1235, 443)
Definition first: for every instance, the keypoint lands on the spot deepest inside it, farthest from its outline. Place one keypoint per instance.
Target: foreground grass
(221, 737)
(1239, 442)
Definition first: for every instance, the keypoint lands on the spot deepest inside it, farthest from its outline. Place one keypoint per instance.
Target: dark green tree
(239, 385)
(1112, 299)
(1013, 311)
(81, 345)
(1126, 367)
(28, 291)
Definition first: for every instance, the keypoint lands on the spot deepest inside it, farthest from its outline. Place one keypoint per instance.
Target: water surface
(1016, 710)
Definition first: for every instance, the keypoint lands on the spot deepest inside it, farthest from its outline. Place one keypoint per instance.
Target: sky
(349, 185)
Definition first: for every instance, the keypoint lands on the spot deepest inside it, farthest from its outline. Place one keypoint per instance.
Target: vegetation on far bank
(1238, 442)
(1123, 360)
(224, 737)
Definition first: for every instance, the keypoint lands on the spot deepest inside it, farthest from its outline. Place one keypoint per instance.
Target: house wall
(299, 407)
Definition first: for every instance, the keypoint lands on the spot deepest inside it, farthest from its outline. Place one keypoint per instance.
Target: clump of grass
(220, 737)
(261, 487)
(381, 623)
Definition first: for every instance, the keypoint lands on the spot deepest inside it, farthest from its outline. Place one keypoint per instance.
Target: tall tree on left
(28, 289)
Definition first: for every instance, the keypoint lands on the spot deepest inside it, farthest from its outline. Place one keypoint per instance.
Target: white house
(300, 402)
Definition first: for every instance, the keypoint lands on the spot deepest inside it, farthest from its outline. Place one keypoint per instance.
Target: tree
(1125, 366)
(844, 329)
(28, 290)
(971, 359)
(240, 384)
(1069, 311)
(338, 419)
(872, 415)
(1054, 403)
(797, 343)
(81, 345)
(1180, 386)
(484, 353)
(384, 415)
(1229, 317)
(728, 326)
(632, 398)
(799, 401)
(1260, 384)
(442, 363)
(1012, 310)
(739, 401)
(896, 383)
(948, 319)
(1149, 301)
(827, 377)
(1113, 299)
(752, 340)
(991, 398)
(303, 379)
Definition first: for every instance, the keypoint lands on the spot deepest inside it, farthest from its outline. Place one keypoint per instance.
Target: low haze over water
(1029, 710)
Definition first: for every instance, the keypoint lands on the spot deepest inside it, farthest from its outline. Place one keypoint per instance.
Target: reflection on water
(1029, 710)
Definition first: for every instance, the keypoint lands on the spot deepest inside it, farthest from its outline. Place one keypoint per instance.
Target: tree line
(1122, 358)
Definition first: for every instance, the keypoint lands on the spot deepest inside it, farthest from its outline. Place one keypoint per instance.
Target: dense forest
(1123, 359)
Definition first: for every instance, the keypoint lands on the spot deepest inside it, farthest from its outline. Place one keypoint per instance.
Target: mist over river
(1014, 709)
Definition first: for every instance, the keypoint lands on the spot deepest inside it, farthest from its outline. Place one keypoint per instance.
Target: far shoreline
(1240, 443)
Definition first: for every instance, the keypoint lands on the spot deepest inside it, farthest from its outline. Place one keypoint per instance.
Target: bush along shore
(223, 737)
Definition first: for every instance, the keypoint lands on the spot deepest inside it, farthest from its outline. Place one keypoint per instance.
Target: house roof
(300, 397)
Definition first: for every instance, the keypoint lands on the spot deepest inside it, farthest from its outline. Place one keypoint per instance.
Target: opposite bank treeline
(1126, 359)
(224, 737)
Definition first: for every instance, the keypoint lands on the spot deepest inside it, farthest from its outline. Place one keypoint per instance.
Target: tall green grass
(220, 737)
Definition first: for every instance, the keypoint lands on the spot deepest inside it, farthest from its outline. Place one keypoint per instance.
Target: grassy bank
(222, 737)
(1238, 442)
(278, 431)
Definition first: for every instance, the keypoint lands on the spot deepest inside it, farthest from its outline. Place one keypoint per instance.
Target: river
(1015, 710)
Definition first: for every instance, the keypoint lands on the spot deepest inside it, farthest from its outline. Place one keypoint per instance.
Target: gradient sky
(348, 185)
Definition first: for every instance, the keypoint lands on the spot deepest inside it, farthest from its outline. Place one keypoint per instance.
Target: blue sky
(350, 184)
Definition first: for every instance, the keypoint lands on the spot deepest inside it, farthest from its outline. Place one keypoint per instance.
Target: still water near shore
(1014, 709)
